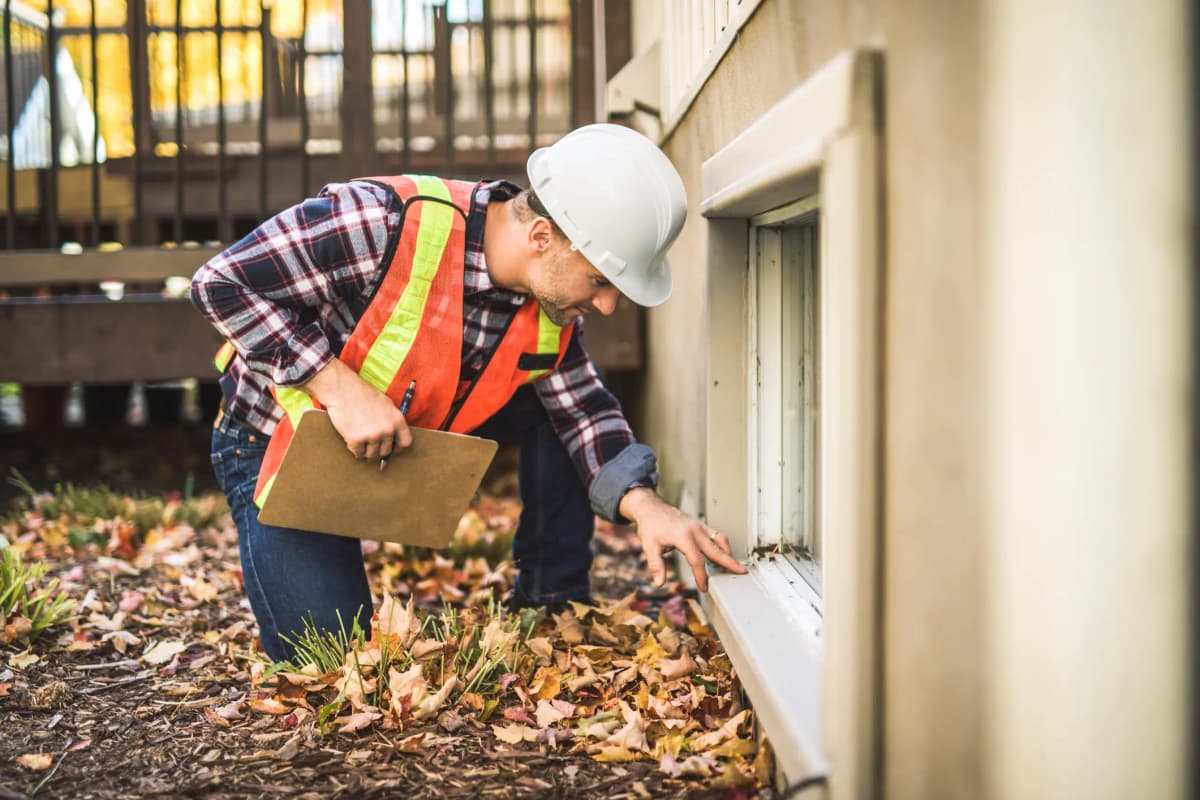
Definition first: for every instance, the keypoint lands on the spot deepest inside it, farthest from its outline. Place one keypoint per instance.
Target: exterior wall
(782, 44)
(934, 332)
(1008, 449)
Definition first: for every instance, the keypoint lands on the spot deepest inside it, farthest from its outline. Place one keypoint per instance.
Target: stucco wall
(931, 645)
(781, 45)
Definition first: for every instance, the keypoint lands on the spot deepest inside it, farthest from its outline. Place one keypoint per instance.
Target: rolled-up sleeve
(263, 293)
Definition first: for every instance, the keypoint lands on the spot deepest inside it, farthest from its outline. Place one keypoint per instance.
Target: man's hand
(662, 527)
(365, 417)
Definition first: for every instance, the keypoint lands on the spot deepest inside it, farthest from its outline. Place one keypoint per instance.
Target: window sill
(770, 626)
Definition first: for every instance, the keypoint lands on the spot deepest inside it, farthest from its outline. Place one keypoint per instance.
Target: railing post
(358, 101)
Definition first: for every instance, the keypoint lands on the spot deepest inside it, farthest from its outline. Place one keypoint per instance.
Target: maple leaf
(541, 648)
(549, 713)
(726, 731)
(547, 683)
(678, 668)
(430, 705)
(397, 622)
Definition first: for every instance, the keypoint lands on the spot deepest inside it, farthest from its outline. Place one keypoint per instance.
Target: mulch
(119, 726)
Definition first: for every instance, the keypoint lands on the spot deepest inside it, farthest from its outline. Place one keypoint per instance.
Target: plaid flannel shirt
(289, 294)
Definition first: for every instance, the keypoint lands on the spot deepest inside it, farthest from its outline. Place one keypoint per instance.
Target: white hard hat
(620, 201)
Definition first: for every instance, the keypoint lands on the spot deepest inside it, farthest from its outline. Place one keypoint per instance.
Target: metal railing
(147, 121)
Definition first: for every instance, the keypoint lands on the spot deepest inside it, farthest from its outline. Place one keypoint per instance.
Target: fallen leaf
(23, 660)
(514, 734)
(163, 652)
(37, 762)
(356, 722)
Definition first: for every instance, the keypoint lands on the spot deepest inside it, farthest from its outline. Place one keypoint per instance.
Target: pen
(404, 404)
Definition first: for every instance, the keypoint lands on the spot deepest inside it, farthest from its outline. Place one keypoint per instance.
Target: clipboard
(418, 499)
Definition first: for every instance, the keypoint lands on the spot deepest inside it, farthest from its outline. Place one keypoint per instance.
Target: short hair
(526, 206)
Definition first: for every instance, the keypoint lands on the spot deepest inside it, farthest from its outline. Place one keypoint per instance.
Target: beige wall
(780, 46)
(968, 650)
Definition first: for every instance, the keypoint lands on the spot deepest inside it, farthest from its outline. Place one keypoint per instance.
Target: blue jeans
(291, 574)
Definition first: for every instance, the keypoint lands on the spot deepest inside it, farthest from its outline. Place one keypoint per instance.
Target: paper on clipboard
(418, 499)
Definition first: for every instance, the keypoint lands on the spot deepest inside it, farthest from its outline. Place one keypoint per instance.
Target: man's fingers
(696, 560)
(655, 562)
(717, 550)
(402, 436)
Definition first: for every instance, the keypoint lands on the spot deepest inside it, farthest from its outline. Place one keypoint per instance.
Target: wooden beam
(47, 267)
(105, 342)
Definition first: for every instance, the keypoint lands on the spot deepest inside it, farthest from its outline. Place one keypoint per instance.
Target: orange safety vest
(412, 327)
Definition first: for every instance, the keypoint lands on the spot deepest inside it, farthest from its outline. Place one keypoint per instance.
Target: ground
(156, 687)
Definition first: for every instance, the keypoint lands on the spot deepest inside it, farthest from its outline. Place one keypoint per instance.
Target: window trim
(823, 134)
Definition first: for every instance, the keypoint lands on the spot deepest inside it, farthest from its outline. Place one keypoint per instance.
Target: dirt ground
(136, 703)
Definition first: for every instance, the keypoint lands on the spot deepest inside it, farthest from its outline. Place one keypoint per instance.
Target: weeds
(87, 515)
(27, 608)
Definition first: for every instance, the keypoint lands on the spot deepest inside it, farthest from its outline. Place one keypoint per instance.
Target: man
(476, 292)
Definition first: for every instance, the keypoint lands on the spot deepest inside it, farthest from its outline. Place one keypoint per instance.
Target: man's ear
(541, 235)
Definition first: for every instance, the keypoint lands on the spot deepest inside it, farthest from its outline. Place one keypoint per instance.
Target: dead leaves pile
(608, 681)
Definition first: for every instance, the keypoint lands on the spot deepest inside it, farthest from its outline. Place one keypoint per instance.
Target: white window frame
(810, 669)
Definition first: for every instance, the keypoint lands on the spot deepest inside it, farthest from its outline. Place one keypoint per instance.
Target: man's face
(567, 285)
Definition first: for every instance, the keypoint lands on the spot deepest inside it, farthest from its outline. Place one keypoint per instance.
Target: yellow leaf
(649, 651)
(547, 683)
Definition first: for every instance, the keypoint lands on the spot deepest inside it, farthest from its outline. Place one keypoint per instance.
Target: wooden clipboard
(417, 499)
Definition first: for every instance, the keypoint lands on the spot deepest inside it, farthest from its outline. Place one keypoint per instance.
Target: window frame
(812, 674)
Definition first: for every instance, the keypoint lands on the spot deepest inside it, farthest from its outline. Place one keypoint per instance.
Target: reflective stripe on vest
(412, 328)
(224, 355)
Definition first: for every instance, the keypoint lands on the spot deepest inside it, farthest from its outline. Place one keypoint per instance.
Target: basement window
(784, 320)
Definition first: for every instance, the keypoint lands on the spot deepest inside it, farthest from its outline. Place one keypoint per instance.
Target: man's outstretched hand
(662, 527)
(365, 417)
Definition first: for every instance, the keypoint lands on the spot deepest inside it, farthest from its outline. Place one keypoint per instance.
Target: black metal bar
(10, 166)
(137, 80)
(305, 165)
(489, 103)
(95, 40)
(448, 104)
(265, 35)
(177, 229)
(224, 224)
(55, 126)
(405, 97)
(533, 75)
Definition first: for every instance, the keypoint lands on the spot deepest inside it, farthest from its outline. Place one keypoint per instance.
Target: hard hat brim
(651, 292)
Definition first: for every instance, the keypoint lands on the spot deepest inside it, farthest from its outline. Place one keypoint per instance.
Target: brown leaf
(356, 722)
(684, 665)
(541, 648)
(269, 705)
(518, 714)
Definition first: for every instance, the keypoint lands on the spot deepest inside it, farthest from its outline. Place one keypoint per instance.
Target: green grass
(25, 601)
